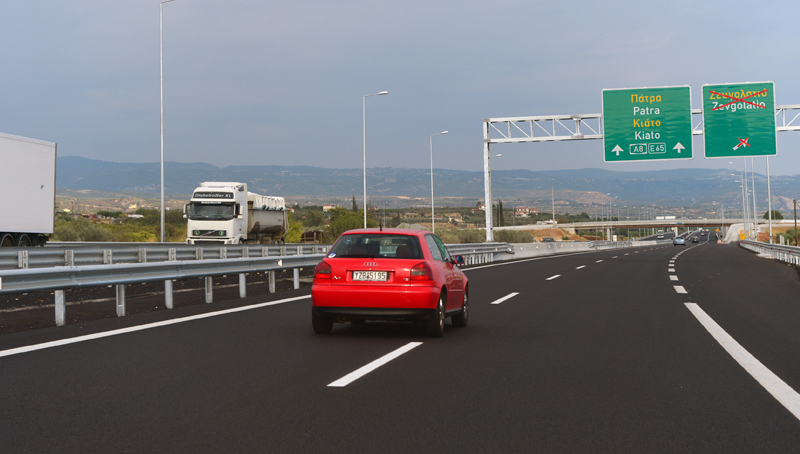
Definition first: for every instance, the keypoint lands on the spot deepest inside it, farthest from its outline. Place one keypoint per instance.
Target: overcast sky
(263, 82)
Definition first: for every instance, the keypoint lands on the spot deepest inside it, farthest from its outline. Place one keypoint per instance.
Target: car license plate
(370, 275)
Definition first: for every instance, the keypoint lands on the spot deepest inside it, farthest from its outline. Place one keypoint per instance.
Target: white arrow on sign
(678, 147)
(617, 149)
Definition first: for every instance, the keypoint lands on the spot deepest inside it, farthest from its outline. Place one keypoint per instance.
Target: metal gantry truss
(551, 128)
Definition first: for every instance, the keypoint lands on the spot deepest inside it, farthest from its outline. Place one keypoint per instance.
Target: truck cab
(226, 213)
(215, 215)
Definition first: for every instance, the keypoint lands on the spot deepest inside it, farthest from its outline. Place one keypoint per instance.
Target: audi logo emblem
(370, 263)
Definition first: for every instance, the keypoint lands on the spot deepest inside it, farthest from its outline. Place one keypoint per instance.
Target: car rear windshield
(376, 245)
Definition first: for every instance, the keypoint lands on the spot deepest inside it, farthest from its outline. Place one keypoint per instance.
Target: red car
(389, 274)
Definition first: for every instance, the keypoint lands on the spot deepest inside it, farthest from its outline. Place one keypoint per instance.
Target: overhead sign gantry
(548, 128)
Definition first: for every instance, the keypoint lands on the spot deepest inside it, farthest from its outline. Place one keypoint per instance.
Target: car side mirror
(459, 259)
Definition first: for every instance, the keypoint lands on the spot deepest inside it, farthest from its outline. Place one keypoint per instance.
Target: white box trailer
(28, 185)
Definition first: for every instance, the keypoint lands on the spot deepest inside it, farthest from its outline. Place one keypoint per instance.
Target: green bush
(343, 220)
(466, 236)
(789, 237)
(80, 229)
(512, 236)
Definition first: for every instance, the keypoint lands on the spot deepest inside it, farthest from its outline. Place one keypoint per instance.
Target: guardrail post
(120, 300)
(169, 302)
(271, 275)
(142, 255)
(245, 252)
(168, 299)
(107, 257)
(283, 251)
(198, 254)
(299, 250)
(61, 311)
(296, 276)
(209, 289)
(242, 286)
(69, 257)
(223, 253)
(22, 259)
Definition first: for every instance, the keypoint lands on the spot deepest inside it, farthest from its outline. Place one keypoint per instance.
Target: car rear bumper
(343, 314)
(370, 303)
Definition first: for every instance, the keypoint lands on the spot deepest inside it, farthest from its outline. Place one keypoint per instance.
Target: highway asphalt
(608, 351)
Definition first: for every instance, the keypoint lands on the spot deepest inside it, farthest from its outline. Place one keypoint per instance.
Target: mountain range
(678, 187)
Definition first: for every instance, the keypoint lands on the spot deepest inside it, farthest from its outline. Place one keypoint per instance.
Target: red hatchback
(389, 274)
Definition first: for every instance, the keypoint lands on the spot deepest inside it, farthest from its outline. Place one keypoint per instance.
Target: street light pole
(364, 123)
(433, 220)
(161, 60)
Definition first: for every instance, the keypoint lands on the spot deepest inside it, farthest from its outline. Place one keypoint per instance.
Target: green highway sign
(739, 120)
(643, 124)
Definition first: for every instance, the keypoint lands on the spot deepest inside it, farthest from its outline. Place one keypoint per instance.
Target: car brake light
(421, 272)
(323, 270)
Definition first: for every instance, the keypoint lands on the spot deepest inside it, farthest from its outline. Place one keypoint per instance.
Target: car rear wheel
(321, 325)
(462, 318)
(434, 326)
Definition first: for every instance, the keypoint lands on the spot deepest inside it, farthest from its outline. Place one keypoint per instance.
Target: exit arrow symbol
(678, 147)
(617, 149)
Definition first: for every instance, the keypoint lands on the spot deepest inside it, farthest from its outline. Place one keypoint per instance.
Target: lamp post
(161, 61)
(364, 123)
(433, 220)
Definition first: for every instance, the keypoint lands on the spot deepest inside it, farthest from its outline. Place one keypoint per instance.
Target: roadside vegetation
(116, 226)
(454, 225)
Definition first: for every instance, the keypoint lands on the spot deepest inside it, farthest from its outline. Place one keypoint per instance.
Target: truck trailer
(226, 213)
(28, 185)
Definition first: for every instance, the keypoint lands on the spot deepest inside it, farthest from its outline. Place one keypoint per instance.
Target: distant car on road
(389, 274)
(678, 240)
(695, 239)
(547, 239)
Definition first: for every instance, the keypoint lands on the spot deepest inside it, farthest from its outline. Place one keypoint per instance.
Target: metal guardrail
(121, 264)
(788, 254)
(477, 253)
(83, 254)
(107, 264)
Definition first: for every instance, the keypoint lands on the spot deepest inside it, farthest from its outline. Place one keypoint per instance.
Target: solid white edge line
(784, 393)
(88, 337)
(355, 375)
(509, 296)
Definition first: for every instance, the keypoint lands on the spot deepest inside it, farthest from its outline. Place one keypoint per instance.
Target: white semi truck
(28, 185)
(226, 213)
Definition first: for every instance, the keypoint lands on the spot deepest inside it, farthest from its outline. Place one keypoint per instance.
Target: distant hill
(680, 187)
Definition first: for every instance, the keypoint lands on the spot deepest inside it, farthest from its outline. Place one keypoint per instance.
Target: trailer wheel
(24, 241)
(6, 240)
